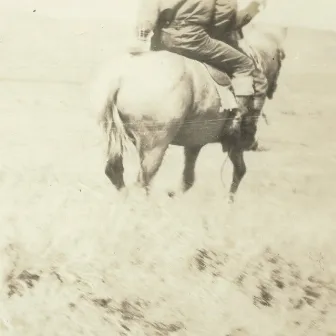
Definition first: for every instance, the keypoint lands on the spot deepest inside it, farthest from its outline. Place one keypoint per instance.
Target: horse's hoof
(231, 199)
(176, 193)
(171, 194)
(251, 145)
(261, 149)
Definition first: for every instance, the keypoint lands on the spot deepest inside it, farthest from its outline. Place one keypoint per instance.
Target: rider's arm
(147, 17)
(244, 16)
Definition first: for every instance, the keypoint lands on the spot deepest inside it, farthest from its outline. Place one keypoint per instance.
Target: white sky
(319, 14)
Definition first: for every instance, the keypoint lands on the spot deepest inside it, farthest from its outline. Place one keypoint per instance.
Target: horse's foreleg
(190, 157)
(236, 156)
(114, 170)
(150, 161)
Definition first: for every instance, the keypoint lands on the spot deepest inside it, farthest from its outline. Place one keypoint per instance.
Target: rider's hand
(255, 6)
(261, 3)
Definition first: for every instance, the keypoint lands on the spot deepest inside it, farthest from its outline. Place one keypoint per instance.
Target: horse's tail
(118, 140)
(103, 98)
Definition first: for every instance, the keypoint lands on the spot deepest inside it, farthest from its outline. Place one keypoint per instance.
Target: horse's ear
(282, 54)
(284, 34)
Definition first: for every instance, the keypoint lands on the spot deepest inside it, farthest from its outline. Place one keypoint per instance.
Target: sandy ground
(76, 259)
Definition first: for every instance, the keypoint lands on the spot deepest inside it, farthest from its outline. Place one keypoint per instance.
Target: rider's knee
(246, 68)
(260, 82)
(249, 65)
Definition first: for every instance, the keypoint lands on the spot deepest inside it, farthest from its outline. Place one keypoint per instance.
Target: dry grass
(76, 259)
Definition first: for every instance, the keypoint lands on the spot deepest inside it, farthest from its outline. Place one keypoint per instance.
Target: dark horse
(158, 99)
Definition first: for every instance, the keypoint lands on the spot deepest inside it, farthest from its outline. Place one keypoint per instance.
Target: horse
(158, 98)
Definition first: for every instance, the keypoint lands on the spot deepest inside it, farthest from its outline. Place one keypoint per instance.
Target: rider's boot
(249, 124)
(235, 128)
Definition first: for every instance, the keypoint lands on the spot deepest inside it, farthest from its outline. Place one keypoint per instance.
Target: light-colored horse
(158, 99)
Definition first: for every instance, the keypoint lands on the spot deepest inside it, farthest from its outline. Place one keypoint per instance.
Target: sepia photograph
(167, 168)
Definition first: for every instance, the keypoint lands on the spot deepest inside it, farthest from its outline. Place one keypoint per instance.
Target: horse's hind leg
(236, 155)
(191, 154)
(150, 161)
(190, 157)
(114, 170)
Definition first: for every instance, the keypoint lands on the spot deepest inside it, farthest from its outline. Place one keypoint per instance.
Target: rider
(227, 27)
(183, 28)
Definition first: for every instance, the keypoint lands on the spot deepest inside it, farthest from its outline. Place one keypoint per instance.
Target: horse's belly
(200, 130)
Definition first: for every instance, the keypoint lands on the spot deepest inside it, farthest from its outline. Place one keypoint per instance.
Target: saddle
(220, 77)
(224, 88)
